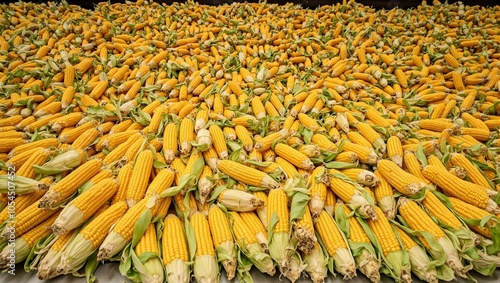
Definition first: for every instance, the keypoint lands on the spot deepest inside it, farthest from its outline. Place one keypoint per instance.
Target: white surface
(109, 273)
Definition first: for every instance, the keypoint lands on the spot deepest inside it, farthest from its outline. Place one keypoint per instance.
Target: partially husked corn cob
(47, 268)
(174, 250)
(364, 255)
(69, 184)
(223, 240)
(335, 245)
(122, 232)
(349, 192)
(401, 180)
(237, 200)
(152, 266)
(418, 257)
(468, 211)
(247, 175)
(88, 240)
(417, 219)
(205, 265)
(84, 206)
(390, 245)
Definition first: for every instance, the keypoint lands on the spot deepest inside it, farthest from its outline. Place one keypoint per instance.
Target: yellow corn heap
(418, 257)
(47, 267)
(223, 240)
(69, 184)
(84, 206)
(468, 211)
(244, 236)
(401, 180)
(351, 194)
(463, 190)
(153, 267)
(205, 264)
(122, 232)
(335, 245)
(247, 175)
(88, 240)
(361, 176)
(140, 177)
(174, 250)
(25, 242)
(363, 251)
(417, 219)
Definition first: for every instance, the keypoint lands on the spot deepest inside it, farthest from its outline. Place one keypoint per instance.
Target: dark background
(387, 4)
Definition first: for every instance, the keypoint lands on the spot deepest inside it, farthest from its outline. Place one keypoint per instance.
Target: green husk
(21, 185)
(316, 265)
(38, 252)
(243, 269)
(63, 162)
(226, 255)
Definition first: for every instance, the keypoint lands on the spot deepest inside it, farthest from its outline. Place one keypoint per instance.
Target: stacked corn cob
(299, 141)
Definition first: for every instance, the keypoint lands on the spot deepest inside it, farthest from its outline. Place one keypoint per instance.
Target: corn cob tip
(370, 267)
(406, 276)
(306, 240)
(230, 268)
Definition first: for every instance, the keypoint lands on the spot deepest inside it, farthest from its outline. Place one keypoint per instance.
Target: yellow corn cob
(304, 232)
(468, 211)
(205, 265)
(266, 142)
(395, 150)
(294, 156)
(245, 137)
(38, 157)
(69, 75)
(174, 251)
(247, 175)
(472, 171)
(401, 180)
(27, 220)
(69, 184)
(25, 242)
(219, 141)
(140, 177)
(335, 245)
(244, 236)
(84, 206)
(122, 232)
(418, 257)
(71, 135)
(45, 143)
(223, 239)
(88, 240)
(413, 165)
(22, 202)
(458, 188)
(170, 146)
(186, 135)
(437, 209)
(417, 219)
(153, 267)
(83, 141)
(365, 155)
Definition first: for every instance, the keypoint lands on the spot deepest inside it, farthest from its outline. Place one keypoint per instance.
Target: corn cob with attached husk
(47, 267)
(401, 180)
(418, 257)
(237, 200)
(69, 184)
(350, 192)
(81, 208)
(122, 232)
(364, 254)
(174, 251)
(395, 262)
(436, 241)
(223, 240)
(25, 242)
(247, 175)
(205, 264)
(89, 238)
